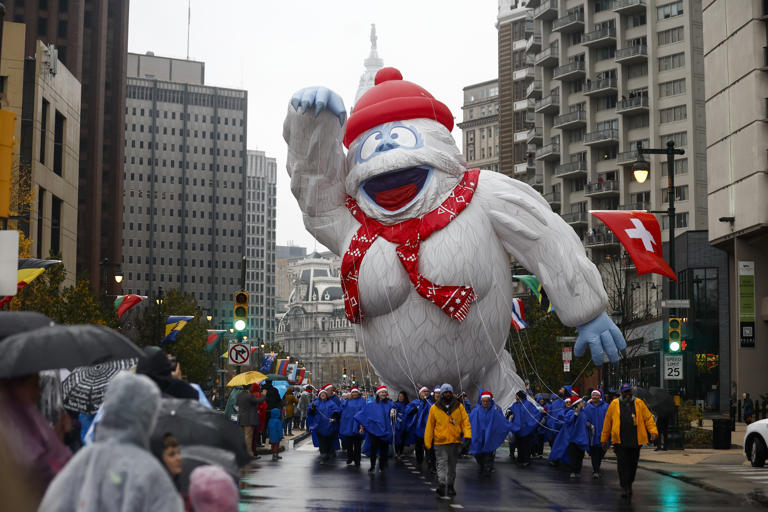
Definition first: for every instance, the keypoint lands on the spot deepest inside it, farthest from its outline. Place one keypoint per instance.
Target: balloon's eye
(368, 147)
(405, 137)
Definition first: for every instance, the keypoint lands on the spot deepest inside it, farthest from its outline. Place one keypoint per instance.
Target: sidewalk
(286, 443)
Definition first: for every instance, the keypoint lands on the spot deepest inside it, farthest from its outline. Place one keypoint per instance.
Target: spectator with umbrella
(248, 418)
(116, 472)
(156, 365)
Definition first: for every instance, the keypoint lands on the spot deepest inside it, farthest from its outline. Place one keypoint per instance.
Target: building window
(55, 225)
(681, 220)
(62, 29)
(681, 167)
(681, 194)
(603, 5)
(58, 143)
(40, 205)
(670, 115)
(672, 88)
(672, 61)
(42, 27)
(43, 129)
(637, 70)
(680, 139)
(672, 35)
(637, 20)
(669, 10)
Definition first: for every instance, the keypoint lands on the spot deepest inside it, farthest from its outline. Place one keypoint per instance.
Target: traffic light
(7, 141)
(343, 373)
(241, 311)
(675, 334)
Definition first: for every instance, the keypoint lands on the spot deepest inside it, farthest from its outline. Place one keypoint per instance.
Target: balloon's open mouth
(396, 189)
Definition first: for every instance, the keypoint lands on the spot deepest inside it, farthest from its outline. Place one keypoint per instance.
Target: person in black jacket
(156, 366)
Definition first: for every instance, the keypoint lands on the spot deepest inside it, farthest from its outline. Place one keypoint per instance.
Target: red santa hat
(596, 391)
(354, 389)
(486, 394)
(394, 99)
(322, 390)
(567, 401)
(381, 389)
(423, 388)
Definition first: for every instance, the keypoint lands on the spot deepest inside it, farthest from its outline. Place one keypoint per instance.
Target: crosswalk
(756, 475)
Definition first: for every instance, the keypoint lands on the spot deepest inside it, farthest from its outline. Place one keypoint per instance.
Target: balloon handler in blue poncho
(275, 432)
(489, 429)
(524, 417)
(323, 420)
(349, 429)
(416, 414)
(595, 411)
(573, 438)
(377, 423)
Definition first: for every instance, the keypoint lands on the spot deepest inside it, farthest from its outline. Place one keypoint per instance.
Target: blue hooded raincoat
(417, 413)
(349, 426)
(320, 422)
(489, 428)
(402, 434)
(526, 419)
(374, 417)
(275, 426)
(596, 416)
(574, 431)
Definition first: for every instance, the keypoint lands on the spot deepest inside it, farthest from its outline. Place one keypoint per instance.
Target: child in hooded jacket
(275, 432)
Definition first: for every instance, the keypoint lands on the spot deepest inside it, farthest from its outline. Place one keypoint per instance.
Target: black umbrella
(62, 346)
(192, 423)
(83, 390)
(658, 401)
(12, 322)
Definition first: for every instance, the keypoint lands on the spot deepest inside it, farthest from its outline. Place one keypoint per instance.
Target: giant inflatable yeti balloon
(426, 242)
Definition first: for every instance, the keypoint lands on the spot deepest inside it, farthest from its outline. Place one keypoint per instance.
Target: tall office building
(736, 83)
(260, 206)
(91, 38)
(480, 125)
(516, 38)
(185, 186)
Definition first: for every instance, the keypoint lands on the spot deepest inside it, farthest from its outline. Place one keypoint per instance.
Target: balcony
(548, 105)
(576, 169)
(599, 38)
(522, 74)
(602, 189)
(626, 157)
(549, 152)
(546, 11)
(535, 135)
(571, 71)
(634, 206)
(573, 22)
(530, 117)
(575, 218)
(628, 6)
(534, 90)
(524, 104)
(602, 138)
(553, 198)
(537, 182)
(575, 119)
(521, 137)
(632, 54)
(521, 168)
(533, 44)
(602, 87)
(548, 58)
(601, 239)
(529, 27)
(634, 105)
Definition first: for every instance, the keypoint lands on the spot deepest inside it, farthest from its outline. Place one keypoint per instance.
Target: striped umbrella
(83, 390)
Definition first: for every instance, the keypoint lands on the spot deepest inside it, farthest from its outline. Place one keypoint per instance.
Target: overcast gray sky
(273, 48)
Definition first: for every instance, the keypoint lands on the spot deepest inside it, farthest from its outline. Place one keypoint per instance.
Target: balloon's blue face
(386, 137)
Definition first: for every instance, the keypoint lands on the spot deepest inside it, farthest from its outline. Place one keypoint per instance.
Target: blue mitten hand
(319, 99)
(603, 337)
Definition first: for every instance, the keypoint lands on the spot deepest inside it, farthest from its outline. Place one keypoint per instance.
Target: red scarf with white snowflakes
(408, 235)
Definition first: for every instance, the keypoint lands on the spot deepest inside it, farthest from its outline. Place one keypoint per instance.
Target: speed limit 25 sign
(673, 367)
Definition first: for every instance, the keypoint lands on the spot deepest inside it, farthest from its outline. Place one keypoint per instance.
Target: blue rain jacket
(574, 431)
(275, 426)
(596, 416)
(374, 418)
(526, 419)
(489, 428)
(349, 427)
(402, 433)
(555, 410)
(320, 422)
(417, 413)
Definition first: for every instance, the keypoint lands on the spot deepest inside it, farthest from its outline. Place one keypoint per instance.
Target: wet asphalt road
(299, 482)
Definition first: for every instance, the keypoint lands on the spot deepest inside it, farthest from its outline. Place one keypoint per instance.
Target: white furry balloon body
(402, 169)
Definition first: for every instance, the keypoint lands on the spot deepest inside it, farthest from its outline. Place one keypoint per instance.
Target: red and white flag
(518, 315)
(640, 234)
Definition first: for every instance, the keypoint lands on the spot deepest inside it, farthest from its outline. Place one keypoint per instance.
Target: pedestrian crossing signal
(241, 311)
(675, 331)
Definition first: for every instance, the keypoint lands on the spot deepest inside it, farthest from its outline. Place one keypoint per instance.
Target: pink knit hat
(211, 489)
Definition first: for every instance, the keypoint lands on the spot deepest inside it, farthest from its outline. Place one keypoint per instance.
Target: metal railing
(609, 134)
(574, 17)
(534, 40)
(622, 4)
(570, 167)
(570, 117)
(634, 206)
(546, 5)
(574, 217)
(631, 51)
(601, 186)
(571, 67)
(533, 86)
(549, 149)
(552, 197)
(597, 239)
(536, 131)
(536, 180)
(552, 99)
(598, 34)
(630, 103)
(626, 157)
(551, 51)
(603, 83)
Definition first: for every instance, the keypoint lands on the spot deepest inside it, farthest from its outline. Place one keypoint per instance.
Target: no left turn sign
(239, 354)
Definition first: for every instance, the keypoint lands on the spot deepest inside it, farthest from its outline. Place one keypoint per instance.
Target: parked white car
(756, 443)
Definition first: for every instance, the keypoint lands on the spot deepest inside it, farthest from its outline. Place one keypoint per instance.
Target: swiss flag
(640, 234)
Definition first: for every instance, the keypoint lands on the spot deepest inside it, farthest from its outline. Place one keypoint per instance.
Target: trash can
(721, 433)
